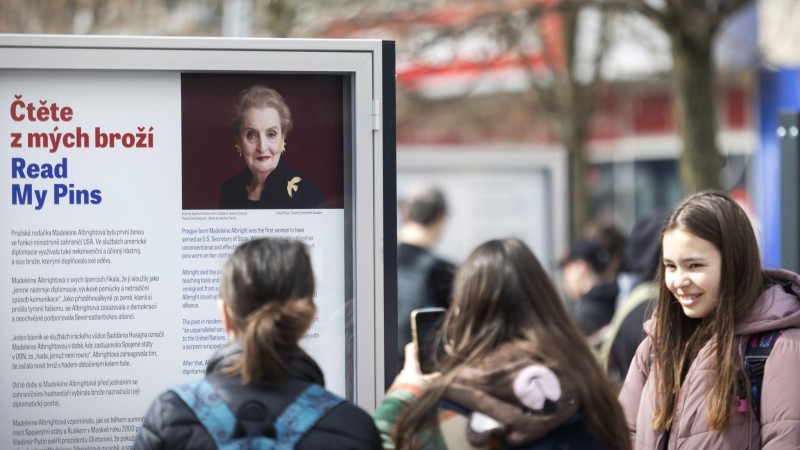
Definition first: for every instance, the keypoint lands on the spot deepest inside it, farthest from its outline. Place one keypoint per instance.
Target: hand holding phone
(425, 325)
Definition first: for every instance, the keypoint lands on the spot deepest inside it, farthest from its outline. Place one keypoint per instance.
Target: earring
(238, 150)
(283, 147)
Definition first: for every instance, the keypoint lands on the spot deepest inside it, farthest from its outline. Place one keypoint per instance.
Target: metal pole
(788, 130)
(237, 18)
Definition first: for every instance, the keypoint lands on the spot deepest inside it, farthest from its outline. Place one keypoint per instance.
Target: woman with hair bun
(261, 389)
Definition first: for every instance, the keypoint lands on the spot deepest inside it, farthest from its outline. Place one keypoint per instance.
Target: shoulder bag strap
(302, 414)
(215, 415)
(758, 349)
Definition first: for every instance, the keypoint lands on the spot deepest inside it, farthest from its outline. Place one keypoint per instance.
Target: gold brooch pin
(292, 185)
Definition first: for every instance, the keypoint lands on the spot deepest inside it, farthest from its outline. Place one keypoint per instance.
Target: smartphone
(425, 325)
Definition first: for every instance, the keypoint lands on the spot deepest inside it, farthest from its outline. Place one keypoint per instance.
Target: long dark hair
(268, 287)
(716, 218)
(503, 294)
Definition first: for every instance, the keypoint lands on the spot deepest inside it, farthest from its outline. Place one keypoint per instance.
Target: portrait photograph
(263, 141)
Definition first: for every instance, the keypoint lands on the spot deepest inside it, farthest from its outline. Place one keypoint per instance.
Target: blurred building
(461, 99)
(470, 113)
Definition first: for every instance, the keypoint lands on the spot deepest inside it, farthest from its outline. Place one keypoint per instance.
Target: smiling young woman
(692, 268)
(687, 388)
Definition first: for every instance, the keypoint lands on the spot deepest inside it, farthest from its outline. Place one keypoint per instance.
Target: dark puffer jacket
(170, 424)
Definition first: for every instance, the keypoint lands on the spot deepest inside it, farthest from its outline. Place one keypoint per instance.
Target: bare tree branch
(730, 7)
(640, 6)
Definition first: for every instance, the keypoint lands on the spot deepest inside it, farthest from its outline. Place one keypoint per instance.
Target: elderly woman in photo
(260, 124)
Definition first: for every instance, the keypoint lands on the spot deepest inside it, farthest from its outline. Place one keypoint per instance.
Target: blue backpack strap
(302, 414)
(758, 349)
(215, 415)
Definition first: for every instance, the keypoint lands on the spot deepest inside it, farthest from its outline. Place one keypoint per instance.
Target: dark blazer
(233, 193)
(170, 424)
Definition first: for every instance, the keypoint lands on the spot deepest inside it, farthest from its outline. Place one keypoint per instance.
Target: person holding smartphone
(516, 370)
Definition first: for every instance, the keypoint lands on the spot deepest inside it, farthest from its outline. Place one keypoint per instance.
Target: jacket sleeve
(395, 401)
(346, 427)
(630, 396)
(780, 394)
(148, 436)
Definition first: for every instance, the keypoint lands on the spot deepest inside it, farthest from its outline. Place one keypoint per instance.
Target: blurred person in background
(516, 372)
(615, 241)
(592, 298)
(423, 278)
(261, 389)
(626, 332)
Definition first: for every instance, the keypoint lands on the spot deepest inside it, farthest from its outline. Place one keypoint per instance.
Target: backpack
(641, 294)
(758, 349)
(247, 429)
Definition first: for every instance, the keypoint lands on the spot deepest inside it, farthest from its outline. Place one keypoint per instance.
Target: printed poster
(114, 228)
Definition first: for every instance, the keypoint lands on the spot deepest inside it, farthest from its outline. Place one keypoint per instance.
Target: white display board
(491, 194)
(112, 236)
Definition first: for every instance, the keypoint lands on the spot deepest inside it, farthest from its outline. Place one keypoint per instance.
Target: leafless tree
(564, 89)
(571, 100)
(691, 26)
